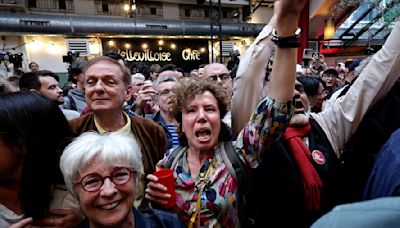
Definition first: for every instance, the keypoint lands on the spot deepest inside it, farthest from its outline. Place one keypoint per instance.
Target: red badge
(318, 157)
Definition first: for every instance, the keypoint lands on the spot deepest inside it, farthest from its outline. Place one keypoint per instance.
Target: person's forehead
(105, 67)
(215, 69)
(47, 79)
(136, 81)
(167, 84)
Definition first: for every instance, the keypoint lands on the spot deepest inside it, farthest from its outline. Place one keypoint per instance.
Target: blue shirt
(385, 175)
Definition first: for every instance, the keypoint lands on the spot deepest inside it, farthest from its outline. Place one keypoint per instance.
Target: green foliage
(391, 15)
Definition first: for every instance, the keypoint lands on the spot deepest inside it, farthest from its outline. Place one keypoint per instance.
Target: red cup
(166, 178)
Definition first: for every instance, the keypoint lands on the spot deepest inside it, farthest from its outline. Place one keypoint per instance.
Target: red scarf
(312, 182)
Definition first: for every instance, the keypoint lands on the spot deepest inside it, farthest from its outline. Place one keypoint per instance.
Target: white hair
(138, 76)
(111, 148)
(300, 119)
(362, 65)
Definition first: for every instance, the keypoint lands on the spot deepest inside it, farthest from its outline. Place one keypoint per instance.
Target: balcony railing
(52, 5)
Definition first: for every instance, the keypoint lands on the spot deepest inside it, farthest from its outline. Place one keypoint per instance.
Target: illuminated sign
(187, 54)
(145, 56)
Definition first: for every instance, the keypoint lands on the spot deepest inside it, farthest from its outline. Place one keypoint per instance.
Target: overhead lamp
(126, 8)
(329, 29)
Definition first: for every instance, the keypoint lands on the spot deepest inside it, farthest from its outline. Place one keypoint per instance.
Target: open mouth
(299, 107)
(110, 206)
(203, 135)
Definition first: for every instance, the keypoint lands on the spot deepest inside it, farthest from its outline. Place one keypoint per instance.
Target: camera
(70, 57)
(15, 59)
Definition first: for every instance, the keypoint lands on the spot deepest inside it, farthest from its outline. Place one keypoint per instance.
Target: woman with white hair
(102, 172)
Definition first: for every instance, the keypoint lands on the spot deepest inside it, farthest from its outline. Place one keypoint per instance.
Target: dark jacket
(281, 202)
(150, 218)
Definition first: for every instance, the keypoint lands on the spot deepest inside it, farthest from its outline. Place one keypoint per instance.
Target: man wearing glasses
(164, 86)
(218, 73)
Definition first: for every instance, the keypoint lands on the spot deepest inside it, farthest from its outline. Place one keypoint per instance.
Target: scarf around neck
(311, 180)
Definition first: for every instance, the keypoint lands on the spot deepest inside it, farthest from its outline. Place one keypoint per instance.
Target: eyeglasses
(93, 181)
(224, 77)
(165, 92)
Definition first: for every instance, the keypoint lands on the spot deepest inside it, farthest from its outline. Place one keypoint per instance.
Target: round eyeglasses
(223, 77)
(93, 181)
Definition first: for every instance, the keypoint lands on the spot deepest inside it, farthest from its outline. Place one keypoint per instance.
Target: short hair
(126, 75)
(362, 65)
(36, 124)
(188, 88)
(111, 148)
(30, 80)
(77, 66)
(212, 65)
(310, 84)
(155, 68)
(139, 76)
(163, 79)
(30, 64)
(171, 67)
(114, 55)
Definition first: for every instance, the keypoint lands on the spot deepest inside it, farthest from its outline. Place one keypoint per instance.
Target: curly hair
(187, 90)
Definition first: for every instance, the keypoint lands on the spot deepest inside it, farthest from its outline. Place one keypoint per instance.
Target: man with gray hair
(164, 86)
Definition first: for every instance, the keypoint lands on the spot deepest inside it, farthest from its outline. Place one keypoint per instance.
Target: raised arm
(273, 113)
(284, 68)
(248, 84)
(343, 118)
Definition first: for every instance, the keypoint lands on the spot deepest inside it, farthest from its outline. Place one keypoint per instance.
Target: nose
(99, 86)
(201, 116)
(296, 93)
(219, 81)
(108, 188)
(59, 90)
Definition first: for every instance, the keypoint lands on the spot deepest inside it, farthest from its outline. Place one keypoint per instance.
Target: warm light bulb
(329, 29)
(161, 42)
(127, 46)
(144, 46)
(126, 7)
(173, 46)
(111, 43)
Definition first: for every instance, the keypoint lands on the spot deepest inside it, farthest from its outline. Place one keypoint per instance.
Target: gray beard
(300, 119)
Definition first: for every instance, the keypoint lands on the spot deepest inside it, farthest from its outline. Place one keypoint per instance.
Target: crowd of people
(86, 154)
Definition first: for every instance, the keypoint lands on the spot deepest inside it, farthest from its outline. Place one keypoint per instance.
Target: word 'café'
(186, 53)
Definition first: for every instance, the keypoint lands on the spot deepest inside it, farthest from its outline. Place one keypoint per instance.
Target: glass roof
(372, 20)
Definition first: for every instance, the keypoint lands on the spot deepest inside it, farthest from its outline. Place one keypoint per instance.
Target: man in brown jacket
(107, 86)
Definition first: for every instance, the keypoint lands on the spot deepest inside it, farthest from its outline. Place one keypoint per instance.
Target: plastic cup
(166, 178)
